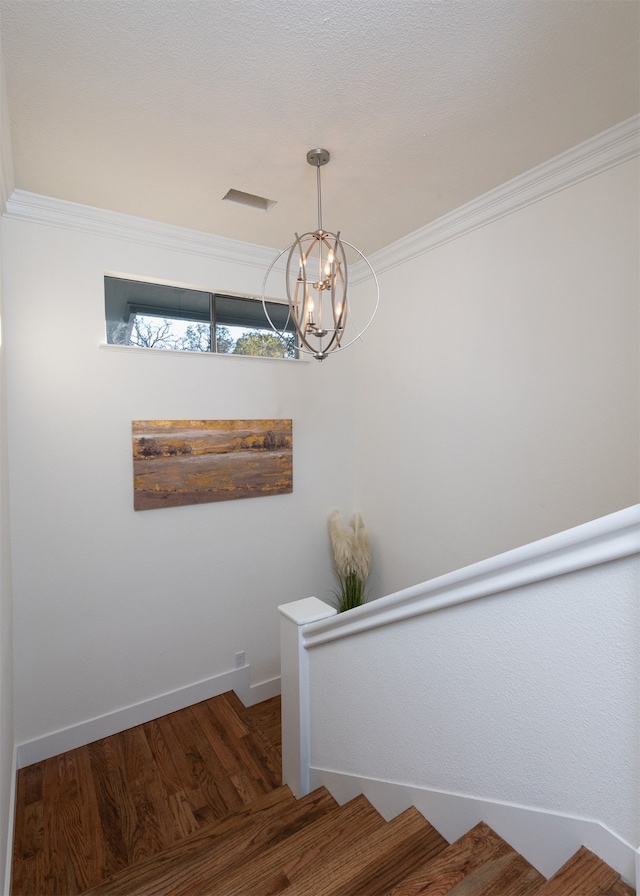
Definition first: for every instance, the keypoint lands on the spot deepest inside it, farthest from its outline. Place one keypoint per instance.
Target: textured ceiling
(157, 107)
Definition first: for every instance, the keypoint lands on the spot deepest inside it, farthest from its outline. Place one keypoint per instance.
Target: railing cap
(309, 609)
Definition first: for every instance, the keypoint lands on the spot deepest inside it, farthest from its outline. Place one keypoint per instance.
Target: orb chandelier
(317, 278)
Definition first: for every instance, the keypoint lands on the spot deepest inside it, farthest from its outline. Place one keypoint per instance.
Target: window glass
(152, 315)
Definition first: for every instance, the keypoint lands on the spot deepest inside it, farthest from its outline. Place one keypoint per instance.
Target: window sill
(110, 347)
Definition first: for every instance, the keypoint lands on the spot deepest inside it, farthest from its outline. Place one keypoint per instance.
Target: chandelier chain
(319, 185)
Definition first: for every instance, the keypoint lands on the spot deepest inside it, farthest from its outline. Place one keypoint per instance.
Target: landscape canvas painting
(177, 462)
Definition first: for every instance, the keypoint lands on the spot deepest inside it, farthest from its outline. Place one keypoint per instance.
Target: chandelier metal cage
(316, 284)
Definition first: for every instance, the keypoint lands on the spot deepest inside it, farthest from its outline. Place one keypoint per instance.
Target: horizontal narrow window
(153, 315)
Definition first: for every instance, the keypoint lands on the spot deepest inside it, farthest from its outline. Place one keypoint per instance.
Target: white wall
(114, 607)
(528, 698)
(497, 391)
(6, 630)
(525, 699)
(7, 769)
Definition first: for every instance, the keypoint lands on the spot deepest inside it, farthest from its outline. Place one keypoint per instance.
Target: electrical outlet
(240, 659)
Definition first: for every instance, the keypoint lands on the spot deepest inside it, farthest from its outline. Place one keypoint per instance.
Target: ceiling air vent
(250, 200)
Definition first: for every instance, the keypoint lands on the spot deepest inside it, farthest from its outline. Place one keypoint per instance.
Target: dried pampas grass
(352, 556)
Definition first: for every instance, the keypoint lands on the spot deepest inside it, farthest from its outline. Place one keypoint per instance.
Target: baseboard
(12, 814)
(237, 680)
(262, 690)
(546, 839)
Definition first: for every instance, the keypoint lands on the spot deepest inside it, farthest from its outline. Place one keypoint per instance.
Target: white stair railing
(548, 667)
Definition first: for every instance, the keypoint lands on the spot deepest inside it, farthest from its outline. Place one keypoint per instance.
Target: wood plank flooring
(92, 812)
(191, 805)
(195, 866)
(583, 875)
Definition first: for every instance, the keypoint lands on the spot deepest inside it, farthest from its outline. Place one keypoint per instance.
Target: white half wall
(497, 395)
(115, 608)
(519, 707)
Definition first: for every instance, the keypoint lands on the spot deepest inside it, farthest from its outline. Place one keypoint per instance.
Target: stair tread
(619, 888)
(583, 875)
(506, 875)
(221, 845)
(371, 865)
(519, 878)
(267, 874)
(452, 870)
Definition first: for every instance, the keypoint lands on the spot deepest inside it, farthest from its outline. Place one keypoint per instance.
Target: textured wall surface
(497, 394)
(529, 697)
(6, 603)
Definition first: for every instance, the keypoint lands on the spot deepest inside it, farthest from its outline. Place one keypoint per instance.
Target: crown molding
(38, 209)
(606, 150)
(599, 153)
(6, 158)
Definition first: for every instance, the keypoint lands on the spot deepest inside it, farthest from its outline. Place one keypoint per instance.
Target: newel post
(294, 672)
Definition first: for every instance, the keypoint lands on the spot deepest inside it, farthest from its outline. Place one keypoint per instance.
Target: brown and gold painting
(178, 462)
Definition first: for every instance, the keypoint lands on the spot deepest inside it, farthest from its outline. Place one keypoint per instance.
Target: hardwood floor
(191, 805)
(89, 813)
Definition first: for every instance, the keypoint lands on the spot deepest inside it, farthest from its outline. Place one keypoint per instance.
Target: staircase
(314, 847)
(253, 837)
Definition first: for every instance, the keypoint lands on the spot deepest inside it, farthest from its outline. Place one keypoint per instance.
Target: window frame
(127, 296)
